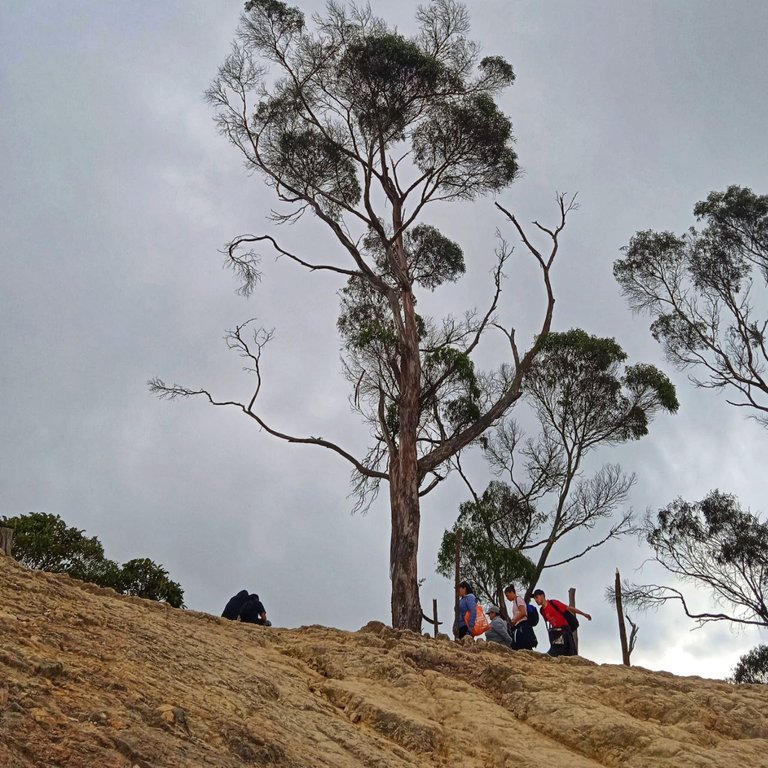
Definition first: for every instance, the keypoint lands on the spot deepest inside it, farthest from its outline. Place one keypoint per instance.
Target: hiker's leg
(570, 643)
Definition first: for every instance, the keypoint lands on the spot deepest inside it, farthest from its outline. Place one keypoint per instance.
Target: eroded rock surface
(90, 678)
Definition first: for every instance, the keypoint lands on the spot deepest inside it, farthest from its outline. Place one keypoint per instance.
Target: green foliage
(714, 530)
(390, 81)
(316, 165)
(461, 412)
(489, 561)
(459, 404)
(143, 578)
(470, 142)
(737, 217)
(282, 16)
(644, 379)
(498, 68)
(364, 320)
(433, 259)
(715, 545)
(578, 389)
(46, 542)
(753, 667)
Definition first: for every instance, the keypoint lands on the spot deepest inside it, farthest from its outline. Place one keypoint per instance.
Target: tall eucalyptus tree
(365, 129)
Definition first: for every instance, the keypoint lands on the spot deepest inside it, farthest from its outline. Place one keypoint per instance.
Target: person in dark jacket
(252, 611)
(232, 608)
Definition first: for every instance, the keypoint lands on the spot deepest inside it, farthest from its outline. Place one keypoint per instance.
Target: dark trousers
(524, 638)
(561, 642)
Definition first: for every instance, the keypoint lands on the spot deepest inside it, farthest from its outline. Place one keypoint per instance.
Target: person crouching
(498, 630)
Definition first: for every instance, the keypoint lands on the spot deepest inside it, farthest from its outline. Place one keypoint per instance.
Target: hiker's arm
(520, 614)
(581, 613)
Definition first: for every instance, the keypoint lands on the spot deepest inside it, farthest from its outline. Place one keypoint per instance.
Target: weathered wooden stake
(572, 603)
(433, 621)
(6, 541)
(456, 584)
(622, 626)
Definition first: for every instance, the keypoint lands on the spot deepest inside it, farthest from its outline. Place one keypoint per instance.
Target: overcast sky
(117, 194)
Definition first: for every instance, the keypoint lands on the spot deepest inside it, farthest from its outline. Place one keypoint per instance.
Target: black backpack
(573, 622)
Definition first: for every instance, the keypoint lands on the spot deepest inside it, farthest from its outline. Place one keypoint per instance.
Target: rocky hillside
(92, 679)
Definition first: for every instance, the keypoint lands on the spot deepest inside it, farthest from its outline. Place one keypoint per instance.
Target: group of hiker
(517, 631)
(247, 608)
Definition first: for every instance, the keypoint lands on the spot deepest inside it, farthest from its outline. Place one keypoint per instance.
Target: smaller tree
(583, 399)
(143, 578)
(753, 667)
(490, 555)
(712, 544)
(705, 291)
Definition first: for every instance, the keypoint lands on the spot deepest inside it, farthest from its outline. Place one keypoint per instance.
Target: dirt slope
(91, 679)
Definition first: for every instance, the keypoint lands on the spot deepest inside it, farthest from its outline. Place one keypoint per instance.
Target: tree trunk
(404, 545)
(6, 541)
(622, 625)
(572, 603)
(404, 479)
(457, 579)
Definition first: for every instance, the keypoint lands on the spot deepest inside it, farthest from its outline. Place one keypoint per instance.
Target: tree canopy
(753, 667)
(713, 545)
(706, 292)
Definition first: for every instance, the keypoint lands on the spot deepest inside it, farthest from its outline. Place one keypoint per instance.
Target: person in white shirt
(523, 636)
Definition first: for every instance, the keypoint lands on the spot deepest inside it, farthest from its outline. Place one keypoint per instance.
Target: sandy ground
(90, 679)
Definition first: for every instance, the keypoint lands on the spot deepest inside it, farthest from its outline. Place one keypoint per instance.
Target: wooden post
(6, 541)
(456, 583)
(622, 626)
(572, 603)
(433, 621)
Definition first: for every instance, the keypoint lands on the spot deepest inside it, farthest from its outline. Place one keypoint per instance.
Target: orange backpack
(482, 625)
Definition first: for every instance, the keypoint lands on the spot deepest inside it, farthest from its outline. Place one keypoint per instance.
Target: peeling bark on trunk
(406, 519)
(404, 478)
(6, 541)
(622, 626)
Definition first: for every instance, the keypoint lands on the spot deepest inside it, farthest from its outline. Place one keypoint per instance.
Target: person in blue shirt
(467, 609)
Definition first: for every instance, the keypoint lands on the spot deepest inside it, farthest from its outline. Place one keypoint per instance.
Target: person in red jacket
(554, 613)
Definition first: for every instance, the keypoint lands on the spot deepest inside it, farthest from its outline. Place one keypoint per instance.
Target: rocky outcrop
(91, 678)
